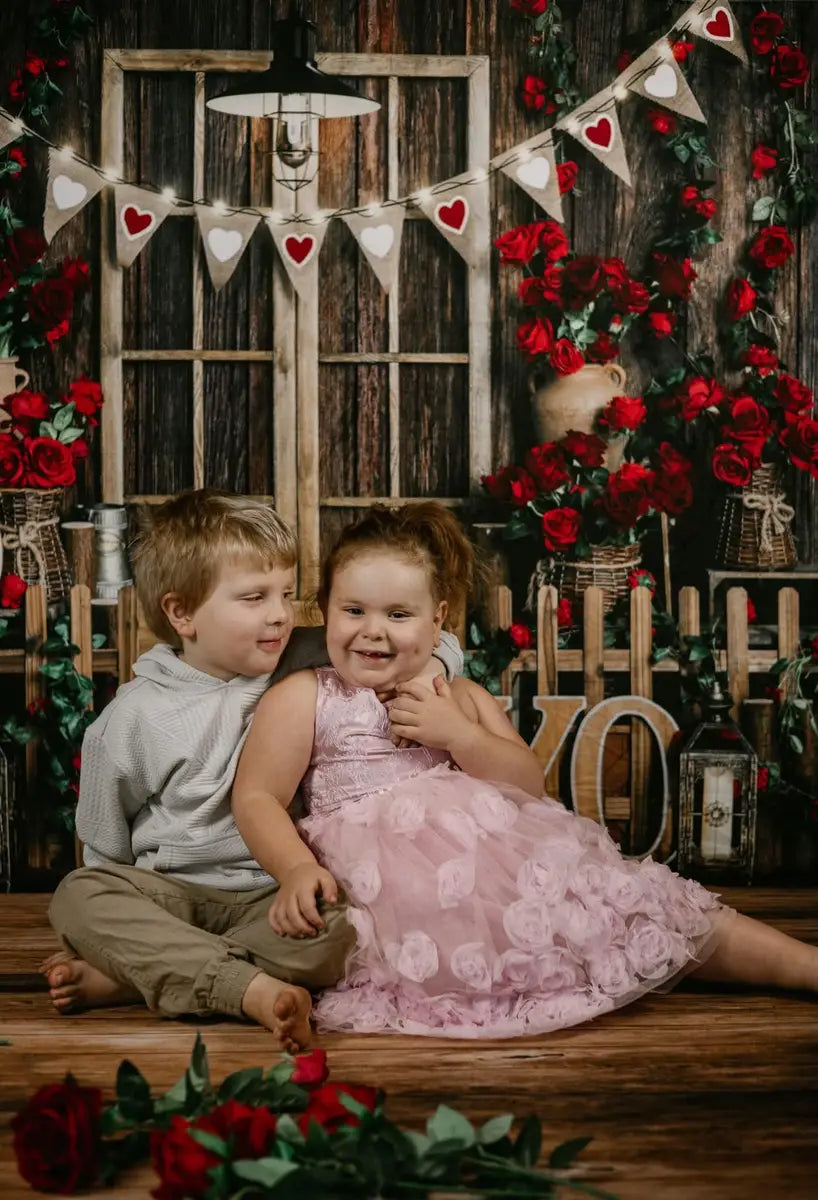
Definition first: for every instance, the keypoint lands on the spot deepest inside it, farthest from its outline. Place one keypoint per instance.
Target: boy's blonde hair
(182, 544)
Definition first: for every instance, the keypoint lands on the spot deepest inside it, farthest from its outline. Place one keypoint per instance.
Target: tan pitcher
(12, 379)
(575, 401)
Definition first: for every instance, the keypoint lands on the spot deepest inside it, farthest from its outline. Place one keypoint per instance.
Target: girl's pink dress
(480, 911)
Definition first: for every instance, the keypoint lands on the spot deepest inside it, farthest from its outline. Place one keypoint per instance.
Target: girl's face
(382, 619)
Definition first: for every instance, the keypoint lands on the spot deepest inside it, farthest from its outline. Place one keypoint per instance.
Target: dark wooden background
(607, 218)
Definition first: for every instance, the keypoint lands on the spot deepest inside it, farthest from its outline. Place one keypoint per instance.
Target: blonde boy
(170, 907)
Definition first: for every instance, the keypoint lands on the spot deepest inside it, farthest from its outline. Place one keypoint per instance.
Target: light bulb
(293, 144)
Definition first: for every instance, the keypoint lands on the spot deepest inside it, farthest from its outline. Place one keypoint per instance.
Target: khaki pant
(185, 947)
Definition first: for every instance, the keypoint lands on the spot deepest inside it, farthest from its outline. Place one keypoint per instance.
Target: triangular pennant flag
(658, 77)
(137, 214)
(596, 125)
(224, 237)
(715, 21)
(459, 209)
(71, 184)
(378, 235)
(9, 132)
(299, 244)
(532, 166)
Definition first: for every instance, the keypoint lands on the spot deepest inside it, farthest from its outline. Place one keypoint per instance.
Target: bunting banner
(533, 167)
(137, 214)
(224, 237)
(596, 126)
(715, 21)
(299, 244)
(9, 130)
(379, 236)
(658, 77)
(71, 184)
(459, 209)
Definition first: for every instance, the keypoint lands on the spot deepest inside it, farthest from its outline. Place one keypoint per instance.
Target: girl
(480, 911)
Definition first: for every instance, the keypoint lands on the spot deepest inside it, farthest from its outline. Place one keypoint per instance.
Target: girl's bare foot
(74, 984)
(282, 1008)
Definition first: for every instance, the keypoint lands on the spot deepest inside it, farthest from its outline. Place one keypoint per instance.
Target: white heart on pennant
(378, 239)
(224, 243)
(67, 192)
(663, 82)
(535, 173)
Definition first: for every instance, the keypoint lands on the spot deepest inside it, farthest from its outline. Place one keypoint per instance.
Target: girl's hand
(294, 910)
(434, 719)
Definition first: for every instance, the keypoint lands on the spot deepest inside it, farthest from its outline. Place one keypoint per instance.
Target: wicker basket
(30, 538)
(756, 524)
(607, 568)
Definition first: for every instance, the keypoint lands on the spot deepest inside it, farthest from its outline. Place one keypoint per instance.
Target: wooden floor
(705, 1094)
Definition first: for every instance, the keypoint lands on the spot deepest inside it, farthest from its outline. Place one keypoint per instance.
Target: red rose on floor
(547, 464)
(26, 407)
(12, 590)
(512, 485)
(553, 242)
(50, 463)
(521, 244)
(739, 299)
(521, 636)
(56, 1137)
(789, 67)
(565, 358)
(675, 276)
(565, 613)
(542, 289)
(532, 92)
(765, 27)
(732, 464)
(624, 412)
(535, 337)
(567, 176)
(183, 1164)
(582, 280)
(12, 461)
(749, 424)
(764, 160)
(325, 1106)
(560, 528)
(771, 247)
(530, 8)
(760, 358)
(661, 323)
(311, 1069)
(661, 121)
(585, 448)
(602, 349)
(627, 494)
(800, 440)
(792, 394)
(25, 247)
(681, 50)
(698, 394)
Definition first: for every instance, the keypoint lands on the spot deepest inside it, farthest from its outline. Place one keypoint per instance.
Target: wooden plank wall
(607, 218)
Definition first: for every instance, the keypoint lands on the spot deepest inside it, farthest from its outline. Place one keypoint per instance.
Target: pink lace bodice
(352, 755)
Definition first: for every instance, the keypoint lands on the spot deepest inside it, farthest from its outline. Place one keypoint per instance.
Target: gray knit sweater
(158, 766)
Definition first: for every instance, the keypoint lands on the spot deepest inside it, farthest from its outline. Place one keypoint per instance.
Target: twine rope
(26, 536)
(776, 514)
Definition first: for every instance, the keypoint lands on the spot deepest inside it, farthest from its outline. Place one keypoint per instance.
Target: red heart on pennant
(720, 26)
(136, 220)
(454, 215)
(299, 247)
(600, 133)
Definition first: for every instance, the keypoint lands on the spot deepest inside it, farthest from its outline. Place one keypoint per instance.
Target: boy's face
(243, 625)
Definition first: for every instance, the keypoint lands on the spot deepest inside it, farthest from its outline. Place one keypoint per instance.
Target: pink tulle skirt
(482, 912)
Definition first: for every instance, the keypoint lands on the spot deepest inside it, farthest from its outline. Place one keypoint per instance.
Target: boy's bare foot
(282, 1008)
(74, 984)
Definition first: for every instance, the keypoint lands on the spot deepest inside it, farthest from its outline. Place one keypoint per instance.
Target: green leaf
(564, 1154)
(796, 745)
(419, 1141)
(98, 640)
(133, 1092)
(238, 1083)
(266, 1171)
(762, 208)
(64, 416)
(528, 1146)
(448, 1125)
(210, 1142)
(495, 1129)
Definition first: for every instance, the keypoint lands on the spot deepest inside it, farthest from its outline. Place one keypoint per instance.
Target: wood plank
(198, 449)
(478, 148)
(36, 631)
(593, 617)
(112, 155)
(641, 685)
(738, 672)
(127, 633)
(393, 310)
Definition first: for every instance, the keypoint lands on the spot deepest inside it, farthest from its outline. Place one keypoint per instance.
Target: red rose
(26, 407)
(732, 464)
(752, 615)
(624, 412)
(56, 1137)
(553, 242)
(78, 448)
(771, 247)
(50, 303)
(7, 280)
(57, 332)
(184, 1165)
(681, 50)
(749, 425)
(661, 121)
(739, 299)
(76, 272)
(582, 279)
(692, 200)
(560, 528)
(813, 647)
(789, 67)
(512, 485)
(565, 613)
(25, 247)
(532, 92)
(542, 289)
(628, 295)
(674, 276)
(661, 323)
(530, 8)
(16, 155)
(17, 89)
(311, 1069)
(765, 27)
(325, 1106)
(521, 244)
(627, 494)
(764, 160)
(585, 448)
(34, 65)
(535, 337)
(697, 394)
(800, 440)
(760, 359)
(12, 461)
(763, 775)
(566, 358)
(12, 590)
(639, 577)
(567, 176)
(86, 396)
(547, 464)
(50, 463)
(792, 394)
(520, 636)
(672, 491)
(602, 349)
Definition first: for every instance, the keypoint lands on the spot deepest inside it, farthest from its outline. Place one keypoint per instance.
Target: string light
(66, 153)
(169, 195)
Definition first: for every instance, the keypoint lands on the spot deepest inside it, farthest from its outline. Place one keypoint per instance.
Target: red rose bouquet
(36, 303)
(42, 438)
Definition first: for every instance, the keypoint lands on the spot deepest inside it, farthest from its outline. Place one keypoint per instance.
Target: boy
(170, 906)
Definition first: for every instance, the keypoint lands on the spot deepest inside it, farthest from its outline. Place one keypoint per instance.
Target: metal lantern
(718, 771)
(112, 572)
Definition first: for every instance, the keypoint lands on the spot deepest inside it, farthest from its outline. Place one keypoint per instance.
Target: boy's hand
(294, 911)
(434, 719)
